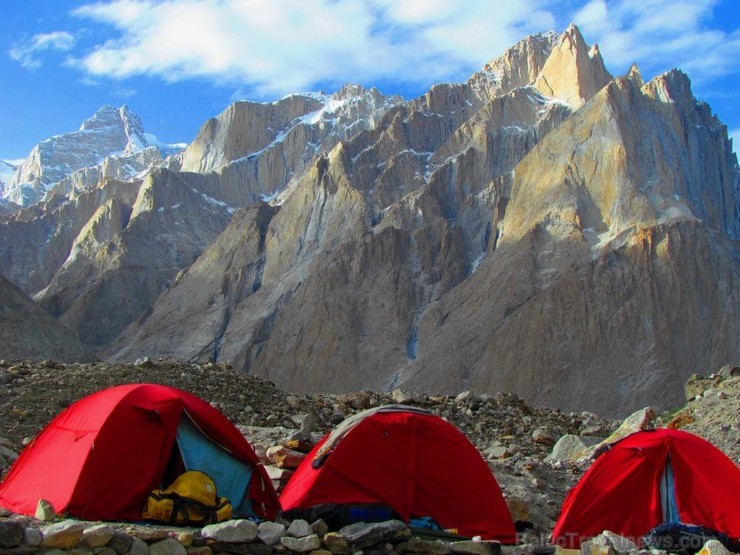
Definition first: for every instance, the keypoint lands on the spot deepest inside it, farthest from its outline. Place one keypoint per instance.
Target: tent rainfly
(407, 460)
(650, 478)
(100, 458)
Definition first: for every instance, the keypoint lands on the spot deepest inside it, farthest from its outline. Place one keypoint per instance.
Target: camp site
(152, 468)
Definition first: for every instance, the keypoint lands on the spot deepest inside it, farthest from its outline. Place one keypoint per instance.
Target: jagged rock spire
(573, 72)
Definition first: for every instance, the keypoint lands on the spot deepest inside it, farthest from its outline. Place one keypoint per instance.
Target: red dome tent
(406, 459)
(649, 478)
(100, 458)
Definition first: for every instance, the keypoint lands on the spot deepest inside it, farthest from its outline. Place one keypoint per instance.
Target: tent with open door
(101, 457)
(650, 478)
(407, 460)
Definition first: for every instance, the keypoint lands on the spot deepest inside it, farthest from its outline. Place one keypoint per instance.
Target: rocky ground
(515, 439)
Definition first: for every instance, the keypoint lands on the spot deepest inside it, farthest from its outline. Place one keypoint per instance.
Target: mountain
(542, 228)
(114, 138)
(29, 333)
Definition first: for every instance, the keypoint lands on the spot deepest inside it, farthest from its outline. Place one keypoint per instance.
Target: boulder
(299, 528)
(168, 546)
(476, 547)
(64, 535)
(282, 457)
(98, 536)
(336, 543)
(231, 531)
(270, 533)
(11, 534)
(362, 535)
(571, 448)
(45, 511)
(303, 544)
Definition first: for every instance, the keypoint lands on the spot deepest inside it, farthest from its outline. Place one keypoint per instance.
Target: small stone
(619, 543)
(108, 551)
(262, 549)
(270, 532)
(283, 457)
(168, 546)
(543, 437)
(11, 534)
(200, 550)
(121, 543)
(231, 531)
(336, 543)
(476, 547)
(32, 536)
(143, 363)
(599, 545)
(45, 511)
(363, 535)
(303, 544)
(401, 397)
(276, 473)
(64, 535)
(320, 528)
(571, 448)
(138, 547)
(98, 536)
(465, 396)
(497, 452)
(299, 528)
(150, 534)
(183, 537)
(714, 547)
(320, 552)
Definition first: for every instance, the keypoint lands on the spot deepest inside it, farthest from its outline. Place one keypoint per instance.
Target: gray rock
(231, 531)
(168, 546)
(363, 535)
(138, 547)
(619, 543)
(336, 543)
(571, 448)
(45, 511)
(11, 534)
(320, 528)
(400, 397)
(32, 536)
(303, 544)
(98, 536)
(121, 543)
(600, 545)
(299, 528)
(543, 437)
(476, 547)
(270, 532)
(64, 535)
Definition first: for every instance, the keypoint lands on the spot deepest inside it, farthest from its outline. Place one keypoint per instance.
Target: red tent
(100, 458)
(649, 478)
(409, 460)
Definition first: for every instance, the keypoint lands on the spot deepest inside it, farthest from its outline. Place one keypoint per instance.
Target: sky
(177, 63)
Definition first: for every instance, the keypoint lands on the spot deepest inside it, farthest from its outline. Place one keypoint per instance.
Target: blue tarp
(231, 476)
(668, 494)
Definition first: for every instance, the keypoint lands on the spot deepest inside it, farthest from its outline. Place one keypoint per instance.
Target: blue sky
(178, 62)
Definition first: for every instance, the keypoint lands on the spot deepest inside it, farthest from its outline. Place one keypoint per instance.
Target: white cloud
(26, 52)
(279, 46)
(273, 47)
(660, 35)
